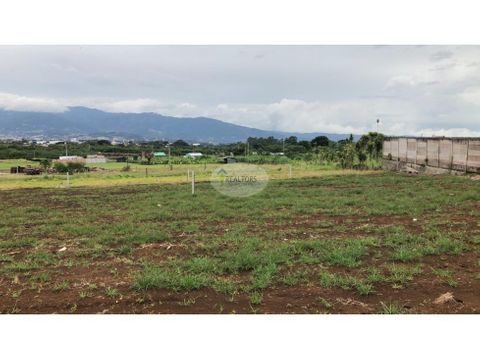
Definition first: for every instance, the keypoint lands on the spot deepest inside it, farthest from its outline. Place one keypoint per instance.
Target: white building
(96, 159)
(70, 159)
(194, 155)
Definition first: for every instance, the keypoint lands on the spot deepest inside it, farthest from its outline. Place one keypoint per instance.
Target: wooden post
(193, 182)
(146, 172)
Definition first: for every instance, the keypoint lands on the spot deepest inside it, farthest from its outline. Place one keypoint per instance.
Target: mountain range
(83, 122)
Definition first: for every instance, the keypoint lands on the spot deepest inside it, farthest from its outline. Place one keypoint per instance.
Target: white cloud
(457, 132)
(342, 89)
(397, 116)
(24, 103)
(471, 96)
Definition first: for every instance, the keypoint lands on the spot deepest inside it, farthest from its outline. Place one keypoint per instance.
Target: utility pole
(66, 149)
(378, 121)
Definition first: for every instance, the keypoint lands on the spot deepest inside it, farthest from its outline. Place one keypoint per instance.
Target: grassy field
(111, 174)
(337, 243)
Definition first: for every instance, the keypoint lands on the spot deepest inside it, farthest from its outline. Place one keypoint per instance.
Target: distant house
(159, 154)
(194, 155)
(96, 159)
(229, 160)
(70, 159)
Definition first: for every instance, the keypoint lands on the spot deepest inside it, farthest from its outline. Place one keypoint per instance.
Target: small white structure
(96, 159)
(72, 158)
(194, 155)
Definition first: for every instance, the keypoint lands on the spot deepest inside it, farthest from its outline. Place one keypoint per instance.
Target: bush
(61, 168)
(71, 168)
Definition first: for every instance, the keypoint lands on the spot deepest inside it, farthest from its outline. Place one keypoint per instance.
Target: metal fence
(461, 154)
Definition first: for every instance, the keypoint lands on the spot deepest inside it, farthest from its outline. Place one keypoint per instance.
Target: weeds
(391, 309)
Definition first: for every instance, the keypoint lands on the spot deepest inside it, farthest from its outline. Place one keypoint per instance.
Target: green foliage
(152, 277)
(320, 141)
(347, 156)
(391, 309)
(371, 144)
(70, 167)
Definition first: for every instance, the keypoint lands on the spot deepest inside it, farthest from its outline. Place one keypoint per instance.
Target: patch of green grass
(405, 253)
(85, 294)
(293, 278)
(256, 298)
(226, 286)
(374, 275)
(329, 280)
(445, 245)
(199, 265)
(348, 255)
(42, 277)
(42, 258)
(400, 275)
(152, 277)
(6, 258)
(475, 239)
(20, 266)
(125, 250)
(262, 277)
(17, 243)
(391, 309)
(345, 252)
(187, 302)
(364, 288)
(112, 292)
(61, 286)
(445, 273)
(447, 276)
(324, 302)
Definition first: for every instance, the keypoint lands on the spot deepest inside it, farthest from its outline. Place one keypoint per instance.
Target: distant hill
(92, 123)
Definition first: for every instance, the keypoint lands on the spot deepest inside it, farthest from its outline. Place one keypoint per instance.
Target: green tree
(45, 164)
(320, 141)
(372, 144)
(347, 155)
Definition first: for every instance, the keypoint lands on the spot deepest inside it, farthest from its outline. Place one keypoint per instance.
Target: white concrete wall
(446, 153)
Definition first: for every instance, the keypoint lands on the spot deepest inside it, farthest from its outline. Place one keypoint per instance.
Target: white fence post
(193, 182)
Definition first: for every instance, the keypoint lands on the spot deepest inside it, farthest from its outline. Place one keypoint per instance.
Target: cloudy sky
(418, 90)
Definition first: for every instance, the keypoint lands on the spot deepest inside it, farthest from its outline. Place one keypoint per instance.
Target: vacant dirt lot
(381, 243)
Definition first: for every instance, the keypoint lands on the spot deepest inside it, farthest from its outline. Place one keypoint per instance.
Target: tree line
(348, 153)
